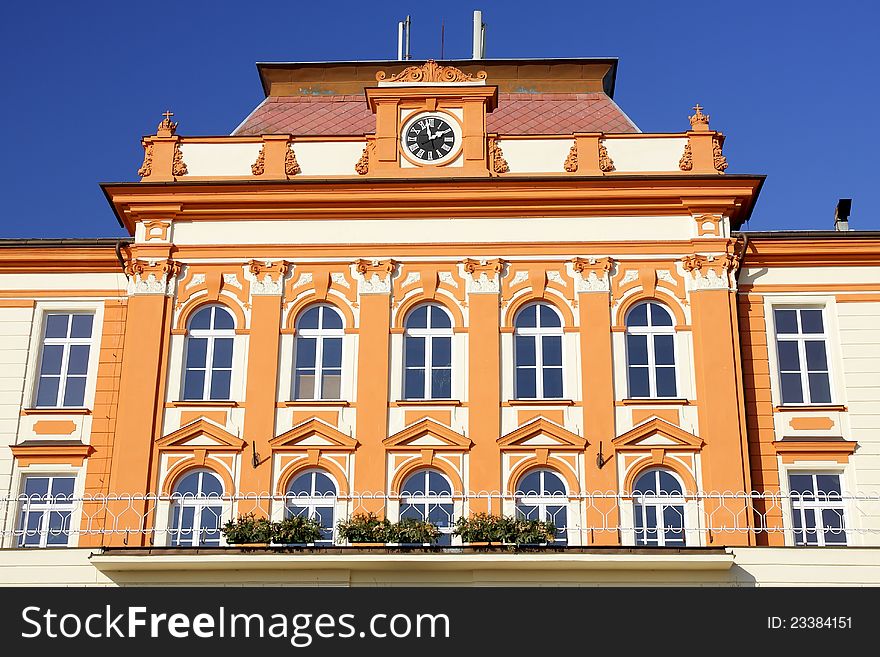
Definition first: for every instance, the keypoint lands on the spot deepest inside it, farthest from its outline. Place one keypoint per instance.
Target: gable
(428, 433)
(657, 433)
(311, 434)
(541, 432)
(203, 434)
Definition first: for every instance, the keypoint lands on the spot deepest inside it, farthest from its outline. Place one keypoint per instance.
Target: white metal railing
(582, 519)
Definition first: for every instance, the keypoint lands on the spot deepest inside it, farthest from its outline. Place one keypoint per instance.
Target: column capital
(482, 276)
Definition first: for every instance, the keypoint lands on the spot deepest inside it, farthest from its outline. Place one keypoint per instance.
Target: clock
(430, 138)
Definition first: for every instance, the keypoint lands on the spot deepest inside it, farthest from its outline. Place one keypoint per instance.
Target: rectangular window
(64, 360)
(817, 511)
(802, 356)
(45, 509)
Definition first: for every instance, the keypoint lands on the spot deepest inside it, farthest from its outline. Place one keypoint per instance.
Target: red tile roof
(517, 114)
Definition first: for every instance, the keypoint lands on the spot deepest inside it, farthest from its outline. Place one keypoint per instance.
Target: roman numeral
(421, 152)
(448, 139)
(411, 138)
(431, 122)
(413, 147)
(430, 155)
(446, 147)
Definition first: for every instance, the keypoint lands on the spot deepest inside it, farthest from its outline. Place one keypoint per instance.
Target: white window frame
(542, 500)
(424, 502)
(210, 334)
(12, 518)
(314, 501)
(428, 365)
(198, 502)
(800, 339)
(658, 501)
(816, 505)
(539, 333)
(319, 334)
(652, 331)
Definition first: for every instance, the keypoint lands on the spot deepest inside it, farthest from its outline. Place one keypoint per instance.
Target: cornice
(817, 251)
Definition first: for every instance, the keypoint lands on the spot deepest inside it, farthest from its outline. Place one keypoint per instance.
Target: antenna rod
(406, 56)
(442, 30)
(478, 35)
(400, 40)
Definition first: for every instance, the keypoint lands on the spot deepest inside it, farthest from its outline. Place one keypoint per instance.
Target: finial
(699, 121)
(167, 127)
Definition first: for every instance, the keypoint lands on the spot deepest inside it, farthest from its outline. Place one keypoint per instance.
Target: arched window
(659, 508)
(427, 353)
(427, 495)
(317, 370)
(196, 509)
(650, 351)
(537, 352)
(541, 495)
(209, 341)
(313, 494)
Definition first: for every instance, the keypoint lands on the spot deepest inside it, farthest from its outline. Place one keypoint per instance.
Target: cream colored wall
(645, 154)
(15, 339)
(535, 155)
(334, 158)
(69, 281)
(233, 159)
(810, 275)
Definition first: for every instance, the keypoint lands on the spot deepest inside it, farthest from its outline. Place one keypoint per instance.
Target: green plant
(534, 531)
(248, 528)
(490, 528)
(411, 530)
(296, 529)
(365, 528)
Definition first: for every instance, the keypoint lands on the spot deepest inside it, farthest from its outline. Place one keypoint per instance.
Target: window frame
(542, 500)
(199, 502)
(211, 334)
(428, 499)
(428, 334)
(659, 501)
(816, 505)
(800, 339)
(45, 508)
(538, 333)
(319, 334)
(313, 501)
(651, 331)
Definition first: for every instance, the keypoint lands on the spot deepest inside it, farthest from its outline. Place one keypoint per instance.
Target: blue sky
(793, 85)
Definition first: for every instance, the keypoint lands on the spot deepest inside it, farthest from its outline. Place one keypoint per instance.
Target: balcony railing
(583, 519)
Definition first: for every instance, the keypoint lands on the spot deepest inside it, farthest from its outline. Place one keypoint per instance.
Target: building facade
(429, 290)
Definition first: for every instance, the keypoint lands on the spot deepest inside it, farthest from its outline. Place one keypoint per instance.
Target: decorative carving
(605, 163)
(556, 277)
(412, 277)
(497, 163)
(291, 166)
(718, 158)
(151, 276)
(484, 275)
(178, 166)
(339, 279)
(699, 121)
(375, 276)
(448, 278)
(166, 127)
(156, 230)
(431, 71)
(711, 272)
(147, 167)
(571, 162)
(594, 274)
(686, 163)
(363, 165)
(232, 279)
(665, 276)
(258, 168)
(197, 279)
(629, 276)
(519, 277)
(268, 276)
(304, 279)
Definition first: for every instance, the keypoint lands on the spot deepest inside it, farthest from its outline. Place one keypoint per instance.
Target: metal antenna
(442, 35)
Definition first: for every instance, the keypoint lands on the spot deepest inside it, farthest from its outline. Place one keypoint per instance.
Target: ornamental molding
(591, 274)
(232, 280)
(339, 279)
(686, 163)
(571, 162)
(304, 279)
(698, 120)
(267, 276)
(291, 166)
(718, 159)
(482, 276)
(520, 277)
(375, 276)
(431, 71)
(497, 163)
(412, 277)
(258, 168)
(151, 276)
(605, 162)
(448, 278)
(178, 166)
(166, 127)
(147, 167)
(362, 166)
(711, 272)
(556, 277)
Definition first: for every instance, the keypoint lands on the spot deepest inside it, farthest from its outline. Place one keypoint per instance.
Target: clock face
(430, 138)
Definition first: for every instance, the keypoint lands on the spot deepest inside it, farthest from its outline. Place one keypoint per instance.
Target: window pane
(800, 483)
(305, 384)
(222, 352)
(439, 318)
(78, 359)
(832, 523)
(414, 484)
(820, 389)
(528, 512)
(525, 383)
(309, 319)
(441, 352)
(196, 352)
(548, 316)
(789, 360)
(660, 316)
(59, 528)
(530, 484)
(646, 483)
(786, 321)
(36, 487)
(331, 319)
(324, 485)
(553, 484)
(47, 391)
(638, 382)
(552, 383)
(210, 534)
(418, 318)
(664, 350)
(75, 391)
(673, 525)
(669, 484)
(220, 380)
(56, 326)
(188, 485)
(332, 352)
(638, 316)
(527, 317)
(414, 383)
(791, 389)
(414, 350)
(637, 349)
(551, 350)
(666, 382)
(811, 321)
(194, 384)
(211, 484)
(441, 383)
(331, 384)
(305, 351)
(201, 320)
(816, 357)
(440, 514)
(524, 350)
(828, 485)
(51, 362)
(301, 486)
(31, 529)
(223, 319)
(62, 487)
(81, 326)
(438, 484)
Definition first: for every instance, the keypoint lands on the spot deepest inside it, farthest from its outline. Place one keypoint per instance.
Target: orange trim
(300, 305)
(183, 468)
(818, 408)
(312, 402)
(401, 403)
(54, 427)
(16, 303)
(176, 440)
(814, 450)
(659, 296)
(440, 299)
(56, 411)
(852, 298)
(808, 287)
(567, 439)
(654, 401)
(206, 403)
(294, 468)
(72, 455)
(539, 402)
(531, 297)
(194, 305)
(452, 439)
(656, 460)
(289, 440)
(425, 463)
(535, 463)
(684, 440)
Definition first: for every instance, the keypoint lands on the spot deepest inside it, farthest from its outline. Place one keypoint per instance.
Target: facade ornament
(431, 71)
(291, 166)
(232, 279)
(699, 121)
(686, 163)
(166, 127)
(258, 168)
(591, 274)
(412, 277)
(520, 277)
(483, 276)
(147, 167)
(178, 166)
(363, 165)
(375, 276)
(497, 163)
(718, 159)
(448, 278)
(304, 279)
(605, 163)
(556, 277)
(267, 276)
(151, 276)
(711, 272)
(339, 279)
(571, 162)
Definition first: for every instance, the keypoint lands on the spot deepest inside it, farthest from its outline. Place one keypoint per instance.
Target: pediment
(201, 434)
(658, 433)
(314, 434)
(542, 433)
(428, 434)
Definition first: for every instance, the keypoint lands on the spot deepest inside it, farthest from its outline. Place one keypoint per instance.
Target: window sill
(426, 402)
(654, 401)
(56, 411)
(801, 408)
(815, 449)
(539, 402)
(314, 402)
(219, 403)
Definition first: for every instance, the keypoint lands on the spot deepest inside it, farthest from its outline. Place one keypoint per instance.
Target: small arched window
(658, 497)
(427, 495)
(537, 352)
(313, 494)
(427, 353)
(541, 495)
(196, 509)
(209, 344)
(650, 351)
(318, 354)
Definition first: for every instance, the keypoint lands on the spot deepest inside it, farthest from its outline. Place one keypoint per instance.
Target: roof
(520, 114)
